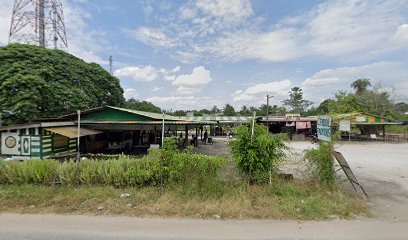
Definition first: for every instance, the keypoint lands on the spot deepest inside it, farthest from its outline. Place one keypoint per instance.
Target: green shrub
(180, 169)
(321, 164)
(256, 158)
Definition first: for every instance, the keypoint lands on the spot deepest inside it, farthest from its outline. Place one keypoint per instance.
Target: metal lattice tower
(38, 22)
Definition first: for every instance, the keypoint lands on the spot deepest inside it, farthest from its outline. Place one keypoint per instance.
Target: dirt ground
(381, 168)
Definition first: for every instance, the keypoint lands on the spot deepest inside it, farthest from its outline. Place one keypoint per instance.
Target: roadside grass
(282, 200)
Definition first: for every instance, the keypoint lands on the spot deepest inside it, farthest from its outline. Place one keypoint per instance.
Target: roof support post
(186, 136)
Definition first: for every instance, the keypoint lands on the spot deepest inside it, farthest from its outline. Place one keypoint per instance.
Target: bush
(179, 169)
(256, 158)
(320, 163)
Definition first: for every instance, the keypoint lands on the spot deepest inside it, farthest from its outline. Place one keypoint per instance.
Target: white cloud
(194, 82)
(151, 36)
(275, 46)
(230, 11)
(323, 84)
(147, 73)
(401, 35)
(176, 69)
(155, 89)
(230, 31)
(84, 42)
(256, 94)
(184, 102)
(130, 93)
(144, 74)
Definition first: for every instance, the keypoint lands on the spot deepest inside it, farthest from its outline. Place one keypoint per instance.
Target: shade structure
(72, 131)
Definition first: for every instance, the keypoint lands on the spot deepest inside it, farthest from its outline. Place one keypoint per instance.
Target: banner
(344, 125)
(303, 125)
(324, 128)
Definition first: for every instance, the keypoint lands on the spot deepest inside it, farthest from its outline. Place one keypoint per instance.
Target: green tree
(361, 85)
(344, 102)
(215, 110)
(202, 112)
(179, 113)
(256, 158)
(245, 111)
(37, 82)
(142, 106)
(229, 110)
(295, 102)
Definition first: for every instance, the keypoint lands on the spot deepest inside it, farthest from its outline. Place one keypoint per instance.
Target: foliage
(245, 111)
(255, 158)
(361, 85)
(274, 109)
(183, 168)
(215, 110)
(344, 102)
(321, 165)
(296, 102)
(142, 106)
(229, 110)
(179, 113)
(38, 82)
(202, 112)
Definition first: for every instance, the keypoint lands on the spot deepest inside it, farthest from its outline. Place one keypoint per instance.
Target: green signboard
(324, 128)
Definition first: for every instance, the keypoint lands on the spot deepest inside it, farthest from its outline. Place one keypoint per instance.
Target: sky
(196, 54)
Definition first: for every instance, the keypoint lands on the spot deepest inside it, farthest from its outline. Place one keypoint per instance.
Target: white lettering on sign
(360, 119)
(324, 128)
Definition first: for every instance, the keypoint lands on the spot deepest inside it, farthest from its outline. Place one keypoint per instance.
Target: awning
(72, 132)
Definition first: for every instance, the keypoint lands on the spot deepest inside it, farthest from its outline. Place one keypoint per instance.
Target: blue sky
(196, 54)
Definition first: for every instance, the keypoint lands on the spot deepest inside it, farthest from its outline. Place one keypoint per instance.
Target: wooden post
(384, 132)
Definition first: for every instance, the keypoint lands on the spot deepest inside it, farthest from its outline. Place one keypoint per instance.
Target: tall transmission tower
(110, 64)
(38, 22)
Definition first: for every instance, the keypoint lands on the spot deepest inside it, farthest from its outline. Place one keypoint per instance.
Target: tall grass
(181, 169)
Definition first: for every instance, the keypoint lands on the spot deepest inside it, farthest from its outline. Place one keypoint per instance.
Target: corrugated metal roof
(225, 119)
(148, 114)
(72, 132)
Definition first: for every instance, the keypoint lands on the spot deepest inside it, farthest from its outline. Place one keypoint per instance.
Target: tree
(245, 111)
(36, 82)
(361, 85)
(262, 110)
(229, 110)
(179, 113)
(215, 110)
(142, 106)
(202, 112)
(296, 102)
(256, 158)
(344, 102)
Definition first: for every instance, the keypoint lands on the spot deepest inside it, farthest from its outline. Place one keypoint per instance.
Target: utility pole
(267, 106)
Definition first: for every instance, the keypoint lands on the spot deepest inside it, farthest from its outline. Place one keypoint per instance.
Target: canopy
(72, 131)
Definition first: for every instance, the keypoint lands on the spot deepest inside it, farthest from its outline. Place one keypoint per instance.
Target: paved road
(44, 227)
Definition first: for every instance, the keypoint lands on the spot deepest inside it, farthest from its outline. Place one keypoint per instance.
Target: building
(102, 130)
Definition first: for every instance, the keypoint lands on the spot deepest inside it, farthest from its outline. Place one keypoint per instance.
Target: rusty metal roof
(72, 132)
